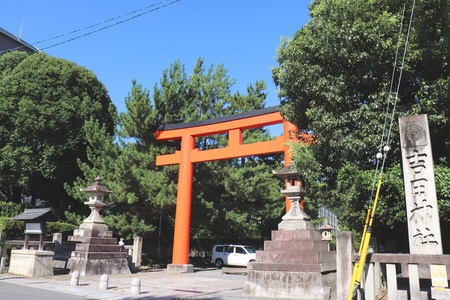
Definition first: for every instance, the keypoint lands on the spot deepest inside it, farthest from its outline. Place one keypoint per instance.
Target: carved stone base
(31, 262)
(97, 253)
(294, 225)
(180, 268)
(99, 263)
(295, 264)
(290, 285)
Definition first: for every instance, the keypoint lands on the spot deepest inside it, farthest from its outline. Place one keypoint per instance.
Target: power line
(384, 139)
(98, 24)
(114, 24)
(359, 265)
(155, 6)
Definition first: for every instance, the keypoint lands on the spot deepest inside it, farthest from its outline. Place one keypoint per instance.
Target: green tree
(44, 103)
(240, 197)
(234, 199)
(334, 80)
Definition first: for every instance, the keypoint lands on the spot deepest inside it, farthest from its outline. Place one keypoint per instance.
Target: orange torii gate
(187, 156)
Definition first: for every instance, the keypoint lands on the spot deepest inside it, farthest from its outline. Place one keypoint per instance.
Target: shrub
(9, 209)
(54, 227)
(11, 228)
(14, 229)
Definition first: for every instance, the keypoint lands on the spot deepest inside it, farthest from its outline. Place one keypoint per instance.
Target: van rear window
(219, 249)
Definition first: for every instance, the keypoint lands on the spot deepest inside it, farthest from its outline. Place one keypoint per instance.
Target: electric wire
(392, 77)
(388, 102)
(98, 24)
(401, 71)
(385, 137)
(394, 106)
(367, 232)
(112, 25)
(156, 6)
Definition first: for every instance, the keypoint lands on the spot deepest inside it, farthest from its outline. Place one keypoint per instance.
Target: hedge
(13, 229)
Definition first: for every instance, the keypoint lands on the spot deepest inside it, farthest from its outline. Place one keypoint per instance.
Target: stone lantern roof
(286, 173)
(294, 188)
(325, 226)
(97, 187)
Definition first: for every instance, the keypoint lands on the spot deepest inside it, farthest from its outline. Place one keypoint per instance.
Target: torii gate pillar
(184, 203)
(188, 155)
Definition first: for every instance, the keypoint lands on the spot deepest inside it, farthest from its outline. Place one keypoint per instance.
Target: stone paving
(157, 284)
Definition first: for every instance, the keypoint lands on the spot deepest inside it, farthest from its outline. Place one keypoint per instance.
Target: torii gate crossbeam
(187, 156)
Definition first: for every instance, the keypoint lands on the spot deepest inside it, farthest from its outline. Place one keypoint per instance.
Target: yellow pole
(364, 246)
(357, 262)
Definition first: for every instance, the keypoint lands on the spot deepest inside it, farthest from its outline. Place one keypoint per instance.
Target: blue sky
(241, 34)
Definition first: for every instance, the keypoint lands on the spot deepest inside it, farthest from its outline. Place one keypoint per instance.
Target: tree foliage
(334, 78)
(44, 103)
(232, 200)
(10, 209)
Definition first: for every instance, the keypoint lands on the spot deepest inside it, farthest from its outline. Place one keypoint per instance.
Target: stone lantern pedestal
(295, 263)
(96, 251)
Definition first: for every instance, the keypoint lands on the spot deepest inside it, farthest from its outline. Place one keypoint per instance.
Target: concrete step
(93, 240)
(238, 271)
(292, 267)
(296, 235)
(311, 257)
(98, 248)
(303, 245)
(99, 255)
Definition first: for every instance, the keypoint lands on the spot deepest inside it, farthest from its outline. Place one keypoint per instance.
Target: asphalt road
(11, 291)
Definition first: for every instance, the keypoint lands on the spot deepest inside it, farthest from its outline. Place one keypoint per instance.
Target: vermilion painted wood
(188, 155)
(217, 128)
(182, 234)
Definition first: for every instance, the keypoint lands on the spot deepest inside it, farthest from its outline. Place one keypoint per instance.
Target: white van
(232, 255)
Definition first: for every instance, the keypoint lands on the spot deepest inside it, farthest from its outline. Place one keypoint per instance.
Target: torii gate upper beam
(234, 129)
(232, 125)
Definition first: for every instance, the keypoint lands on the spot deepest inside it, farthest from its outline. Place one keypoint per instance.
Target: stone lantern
(325, 230)
(295, 218)
(296, 263)
(96, 251)
(97, 192)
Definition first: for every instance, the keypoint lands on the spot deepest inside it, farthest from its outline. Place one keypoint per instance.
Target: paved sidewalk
(155, 284)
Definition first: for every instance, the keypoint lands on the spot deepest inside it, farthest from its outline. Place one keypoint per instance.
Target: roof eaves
(25, 44)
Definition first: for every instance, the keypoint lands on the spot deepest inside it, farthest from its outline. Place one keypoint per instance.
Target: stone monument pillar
(296, 263)
(420, 190)
(96, 252)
